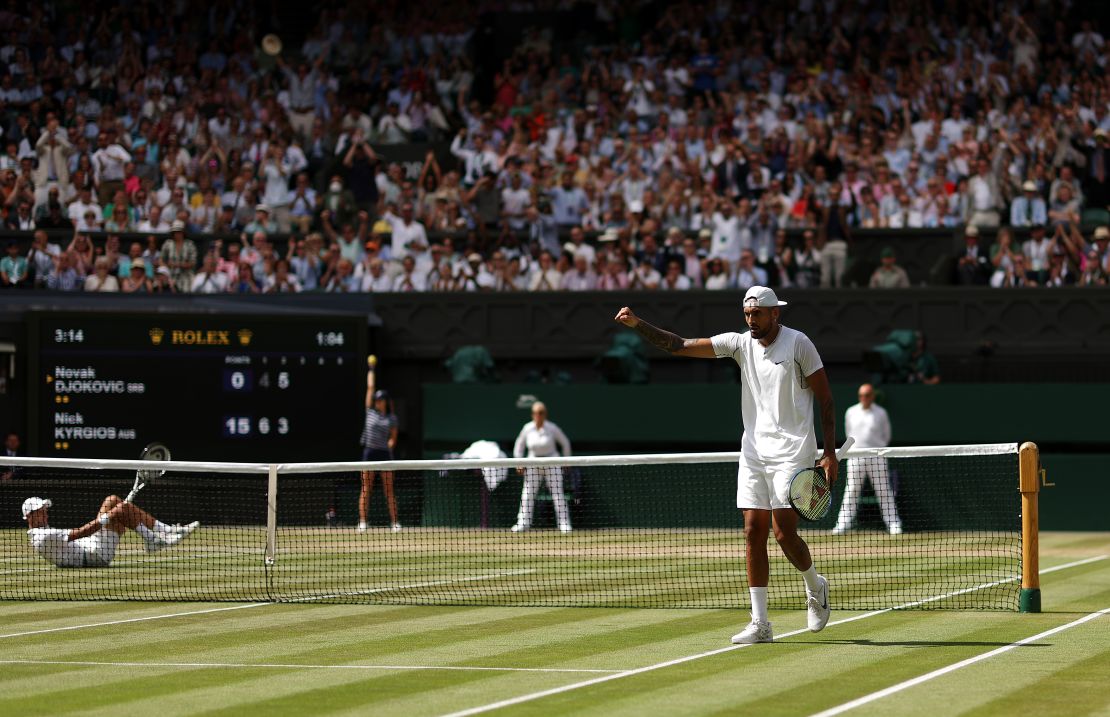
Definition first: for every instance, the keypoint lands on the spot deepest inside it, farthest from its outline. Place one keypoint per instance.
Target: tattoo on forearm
(658, 337)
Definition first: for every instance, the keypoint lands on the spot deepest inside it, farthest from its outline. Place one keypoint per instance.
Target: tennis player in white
(869, 424)
(94, 544)
(781, 374)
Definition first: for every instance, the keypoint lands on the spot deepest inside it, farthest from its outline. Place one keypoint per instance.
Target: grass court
(307, 657)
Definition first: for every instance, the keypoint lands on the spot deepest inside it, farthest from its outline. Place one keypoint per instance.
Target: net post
(1029, 464)
(271, 514)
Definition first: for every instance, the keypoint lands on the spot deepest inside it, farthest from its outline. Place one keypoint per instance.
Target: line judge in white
(781, 375)
(869, 423)
(94, 544)
(539, 439)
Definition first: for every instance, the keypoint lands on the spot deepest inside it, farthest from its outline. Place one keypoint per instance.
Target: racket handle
(131, 496)
(844, 448)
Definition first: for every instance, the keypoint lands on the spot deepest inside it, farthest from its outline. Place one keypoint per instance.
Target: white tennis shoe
(817, 606)
(895, 529)
(362, 526)
(839, 529)
(171, 535)
(178, 528)
(756, 631)
(396, 527)
(518, 528)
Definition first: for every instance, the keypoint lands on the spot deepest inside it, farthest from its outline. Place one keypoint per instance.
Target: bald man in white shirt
(869, 424)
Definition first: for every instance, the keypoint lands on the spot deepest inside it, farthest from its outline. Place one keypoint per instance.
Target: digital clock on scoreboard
(212, 387)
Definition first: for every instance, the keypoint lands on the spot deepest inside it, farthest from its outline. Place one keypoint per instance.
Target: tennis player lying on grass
(94, 544)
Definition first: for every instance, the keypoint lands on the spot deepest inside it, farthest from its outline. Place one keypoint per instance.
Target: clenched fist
(626, 317)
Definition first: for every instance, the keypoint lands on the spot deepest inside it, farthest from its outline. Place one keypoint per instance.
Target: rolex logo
(244, 336)
(156, 335)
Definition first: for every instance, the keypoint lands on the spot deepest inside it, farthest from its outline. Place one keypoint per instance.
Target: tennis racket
(146, 476)
(810, 492)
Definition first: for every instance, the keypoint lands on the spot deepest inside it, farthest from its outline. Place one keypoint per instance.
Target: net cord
(470, 464)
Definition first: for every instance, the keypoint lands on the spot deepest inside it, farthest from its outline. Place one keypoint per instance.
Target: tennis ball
(371, 360)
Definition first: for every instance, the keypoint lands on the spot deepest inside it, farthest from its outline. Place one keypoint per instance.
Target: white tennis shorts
(97, 550)
(765, 486)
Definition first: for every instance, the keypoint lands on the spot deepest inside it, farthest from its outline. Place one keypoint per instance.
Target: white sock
(147, 533)
(810, 576)
(759, 604)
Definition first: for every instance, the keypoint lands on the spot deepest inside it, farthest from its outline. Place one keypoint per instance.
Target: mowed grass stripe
(1062, 674)
(40, 615)
(285, 631)
(1074, 686)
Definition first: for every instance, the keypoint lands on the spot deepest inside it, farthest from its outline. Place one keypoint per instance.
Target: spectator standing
(53, 150)
(835, 234)
(108, 163)
(985, 197)
(972, 265)
(1036, 250)
(1029, 209)
(179, 255)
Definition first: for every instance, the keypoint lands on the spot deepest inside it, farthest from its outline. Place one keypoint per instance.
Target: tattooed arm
(665, 340)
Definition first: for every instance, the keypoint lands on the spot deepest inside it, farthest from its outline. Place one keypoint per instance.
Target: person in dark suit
(972, 265)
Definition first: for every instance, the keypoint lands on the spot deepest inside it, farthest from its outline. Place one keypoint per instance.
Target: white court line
(135, 619)
(236, 665)
(690, 658)
(866, 699)
(261, 604)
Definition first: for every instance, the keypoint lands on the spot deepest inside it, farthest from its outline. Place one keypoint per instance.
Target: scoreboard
(212, 387)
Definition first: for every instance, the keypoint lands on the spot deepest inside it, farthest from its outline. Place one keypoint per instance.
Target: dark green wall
(1063, 419)
(656, 415)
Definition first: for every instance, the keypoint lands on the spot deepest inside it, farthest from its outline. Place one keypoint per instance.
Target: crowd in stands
(662, 146)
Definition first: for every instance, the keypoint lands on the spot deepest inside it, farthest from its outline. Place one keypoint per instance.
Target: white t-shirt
(775, 398)
(869, 426)
(540, 442)
(54, 545)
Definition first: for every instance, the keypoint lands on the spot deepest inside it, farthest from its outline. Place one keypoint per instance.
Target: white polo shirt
(869, 426)
(54, 545)
(775, 397)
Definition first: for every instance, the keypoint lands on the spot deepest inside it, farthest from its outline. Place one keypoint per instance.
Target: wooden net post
(1029, 468)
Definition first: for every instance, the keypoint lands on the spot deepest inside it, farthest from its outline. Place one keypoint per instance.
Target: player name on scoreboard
(69, 383)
